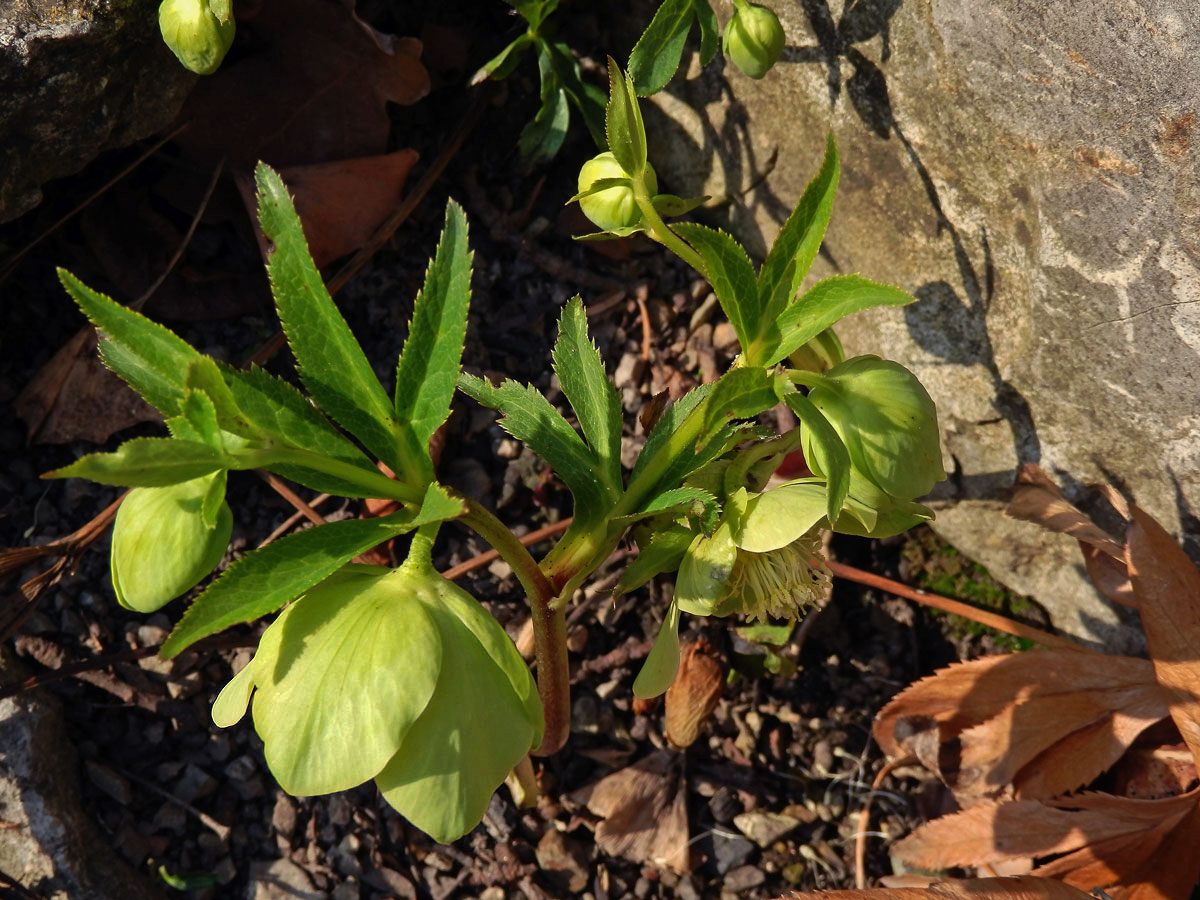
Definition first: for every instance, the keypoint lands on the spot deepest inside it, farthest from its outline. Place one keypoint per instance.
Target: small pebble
(743, 878)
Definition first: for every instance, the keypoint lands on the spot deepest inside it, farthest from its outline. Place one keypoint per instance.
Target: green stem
(659, 230)
(375, 485)
(549, 624)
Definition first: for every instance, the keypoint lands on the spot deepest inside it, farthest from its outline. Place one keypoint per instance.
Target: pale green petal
(342, 676)
(777, 517)
(705, 571)
(472, 733)
(658, 671)
(231, 703)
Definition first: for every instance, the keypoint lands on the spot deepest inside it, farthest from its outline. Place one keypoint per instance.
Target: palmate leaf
(262, 581)
(146, 462)
(529, 417)
(731, 275)
(427, 372)
(329, 360)
(591, 394)
(150, 358)
(824, 304)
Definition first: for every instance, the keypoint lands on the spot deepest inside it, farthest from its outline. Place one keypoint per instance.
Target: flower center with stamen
(779, 583)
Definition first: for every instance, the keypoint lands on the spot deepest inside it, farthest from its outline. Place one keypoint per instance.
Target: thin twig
(83, 204)
(864, 820)
(292, 520)
(647, 332)
(291, 497)
(983, 617)
(187, 239)
(221, 831)
(482, 559)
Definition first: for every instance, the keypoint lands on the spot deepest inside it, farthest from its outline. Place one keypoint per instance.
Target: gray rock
(54, 849)
(730, 852)
(743, 878)
(282, 879)
(1029, 173)
(765, 828)
(78, 77)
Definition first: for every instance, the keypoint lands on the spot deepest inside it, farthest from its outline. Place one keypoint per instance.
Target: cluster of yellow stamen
(779, 583)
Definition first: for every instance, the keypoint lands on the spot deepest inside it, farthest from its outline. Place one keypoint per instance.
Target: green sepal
(146, 462)
(600, 184)
(777, 517)
(623, 122)
(824, 450)
(706, 567)
(662, 663)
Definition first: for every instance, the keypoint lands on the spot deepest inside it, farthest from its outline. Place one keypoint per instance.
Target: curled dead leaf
(694, 693)
(1025, 887)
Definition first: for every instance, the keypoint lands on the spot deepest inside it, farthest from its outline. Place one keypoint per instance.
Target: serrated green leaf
(668, 423)
(800, 238)
(329, 359)
(289, 418)
(261, 582)
(591, 394)
(709, 30)
(146, 462)
(731, 275)
(663, 553)
(658, 671)
(656, 55)
(200, 413)
(741, 393)
(502, 64)
(529, 417)
(825, 303)
(427, 373)
(623, 123)
(692, 502)
(203, 374)
(831, 458)
(150, 358)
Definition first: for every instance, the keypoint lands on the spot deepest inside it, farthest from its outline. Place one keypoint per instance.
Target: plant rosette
(753, 39)
(396, 675)
(161, 544)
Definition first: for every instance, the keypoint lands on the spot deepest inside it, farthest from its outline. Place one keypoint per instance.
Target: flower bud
(613, 207)
(195, 34)
(753, 39)
(888, 422)
(161, 546)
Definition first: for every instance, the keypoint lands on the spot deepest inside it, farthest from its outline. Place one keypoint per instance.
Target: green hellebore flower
(397, 675)
(887, 421)
(613, 207)
(753, 39)
(199, 32)
(161, 546)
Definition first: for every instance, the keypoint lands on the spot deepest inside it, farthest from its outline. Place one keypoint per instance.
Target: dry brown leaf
(1037, 499)
(75, 398)
(984, 724)
(312, 86)
(645, 812)
(694, 693)
(1167, 586)
(1151, 772)
(994, 831)
(1024, 887)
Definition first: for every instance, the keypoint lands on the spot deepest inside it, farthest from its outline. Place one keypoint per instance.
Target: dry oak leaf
(645, 812)
(1037, 499)
(1044, 721)
(1025, 887)
(694, 693)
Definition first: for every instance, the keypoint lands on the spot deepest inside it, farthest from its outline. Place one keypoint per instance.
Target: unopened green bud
(887, 421)
(197, 34)
(614, 207)
(753, 39)
(161, 546)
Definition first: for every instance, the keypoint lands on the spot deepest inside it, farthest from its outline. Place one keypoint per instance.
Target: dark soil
(172, 790)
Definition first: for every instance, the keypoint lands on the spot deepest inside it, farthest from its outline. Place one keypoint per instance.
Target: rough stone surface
(52, 847)
(1028, 171)
(77, 77)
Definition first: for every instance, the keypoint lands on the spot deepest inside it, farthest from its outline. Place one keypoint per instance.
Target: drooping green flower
(199, 32)
(397, 675)
(887, 421)
(161, 546)
(613, 207)
(753, 38)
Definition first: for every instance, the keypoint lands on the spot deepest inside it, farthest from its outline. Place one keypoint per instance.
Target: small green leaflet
(529, 417)
(151, 358)
(667, 424)
(833, 461)
(655, 57)
(741, 393)
(542, 137)
(731, 275)
(203, 374)
(261, 582)
(623, 123)
(691, 502)
(824, 304)
(146, 462)
(591, 394)
(502, 64)
(588, 99)
(658, 671)
(800, 238)
(329, 359)
(427, 372)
